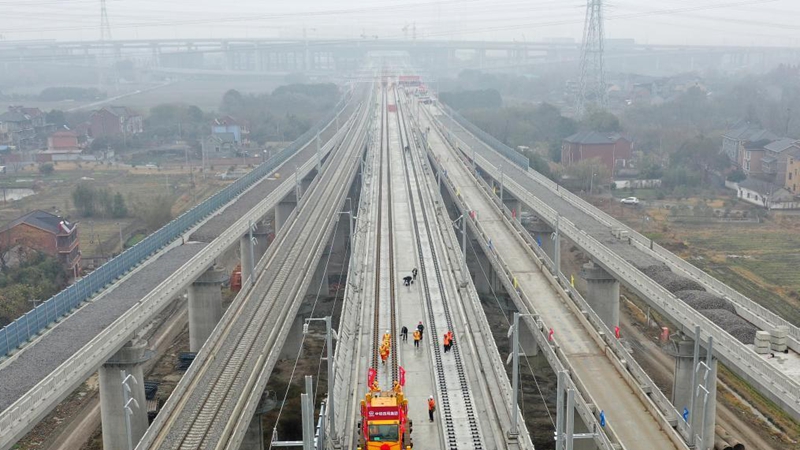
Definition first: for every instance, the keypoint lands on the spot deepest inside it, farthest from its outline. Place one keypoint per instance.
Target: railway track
(385, 301)
(240, 355)
(453, 407)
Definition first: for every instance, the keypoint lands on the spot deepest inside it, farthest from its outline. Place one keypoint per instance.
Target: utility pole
(592, 81)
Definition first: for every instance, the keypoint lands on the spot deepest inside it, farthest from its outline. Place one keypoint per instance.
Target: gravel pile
(733, 324)
(701, 300)
(55, 347)
(670, 281)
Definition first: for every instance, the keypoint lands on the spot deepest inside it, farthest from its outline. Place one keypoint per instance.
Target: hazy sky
(728, 22)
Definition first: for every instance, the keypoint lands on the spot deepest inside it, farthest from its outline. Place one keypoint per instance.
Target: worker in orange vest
(446, 341)
(431, 407)
(384, 353)
(417, 337)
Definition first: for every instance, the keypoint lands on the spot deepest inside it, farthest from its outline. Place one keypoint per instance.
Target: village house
(792, 180)
(773, 163)
(734, 140)
(47, 233)
(765, 194)
(229, 129)
(115, 121)
(613, 149)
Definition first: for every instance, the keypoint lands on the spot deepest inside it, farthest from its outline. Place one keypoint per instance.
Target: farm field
(759, 260)
(100, 236)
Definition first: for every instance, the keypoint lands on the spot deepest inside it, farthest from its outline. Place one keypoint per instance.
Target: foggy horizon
(678, 22)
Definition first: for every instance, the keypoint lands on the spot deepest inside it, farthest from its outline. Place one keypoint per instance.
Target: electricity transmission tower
(592, 82)
(105, 26)
(106, 55)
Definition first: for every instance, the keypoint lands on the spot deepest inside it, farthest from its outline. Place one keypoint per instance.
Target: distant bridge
(310, 55)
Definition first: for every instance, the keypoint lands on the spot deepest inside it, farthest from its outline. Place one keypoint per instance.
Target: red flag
(402, 376)
(371, 376)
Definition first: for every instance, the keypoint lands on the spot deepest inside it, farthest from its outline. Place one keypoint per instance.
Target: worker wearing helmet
(431, 407)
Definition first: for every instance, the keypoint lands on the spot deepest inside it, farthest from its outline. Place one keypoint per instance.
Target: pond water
(10, 194)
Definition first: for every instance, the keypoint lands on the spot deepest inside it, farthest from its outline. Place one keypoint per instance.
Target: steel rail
(443, 377)
(776, 385)
(224, 373)
(28, 410)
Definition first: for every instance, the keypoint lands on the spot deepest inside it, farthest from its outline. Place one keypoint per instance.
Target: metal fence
(35, 320)
(512, 155)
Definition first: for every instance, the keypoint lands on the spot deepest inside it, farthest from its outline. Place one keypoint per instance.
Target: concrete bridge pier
(603, 293)
(254, 437)
(294, 340)
(205, 306)
(113, 396)
(527, 343)
(245, 256)
(512, 204)
(685, 373)
(483, 275)
(283, 210)
(261, 235)
(543, 235)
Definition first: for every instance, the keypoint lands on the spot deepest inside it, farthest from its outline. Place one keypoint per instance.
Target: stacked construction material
(185, 360)
(778, 338)
(762, 342)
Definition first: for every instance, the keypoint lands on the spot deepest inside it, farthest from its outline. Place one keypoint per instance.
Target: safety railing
(782, 388)
(745, 307)
(552, 352)
(28, 409)
(503, 149)
(649, 391)
(778, 385)
(34, 321)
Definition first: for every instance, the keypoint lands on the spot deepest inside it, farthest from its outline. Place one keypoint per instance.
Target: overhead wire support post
(319, 155)
(513, 333)
(463, 219)
(297, 189)
(693, 402)
(330, 335)
(250, 227)
(126, 396)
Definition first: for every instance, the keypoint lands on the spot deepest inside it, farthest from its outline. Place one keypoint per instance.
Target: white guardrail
(645, 387)
(775, 384)
(28, 410)
(751, 311)
(555, 357)
(781, 388)
(488, 359)
(641, 384)
(745, 307)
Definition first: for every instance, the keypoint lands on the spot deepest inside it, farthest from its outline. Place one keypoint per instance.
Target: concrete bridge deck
(592, 231)
(630, 419)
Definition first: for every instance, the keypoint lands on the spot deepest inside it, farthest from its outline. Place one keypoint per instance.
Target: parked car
(629, 201)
